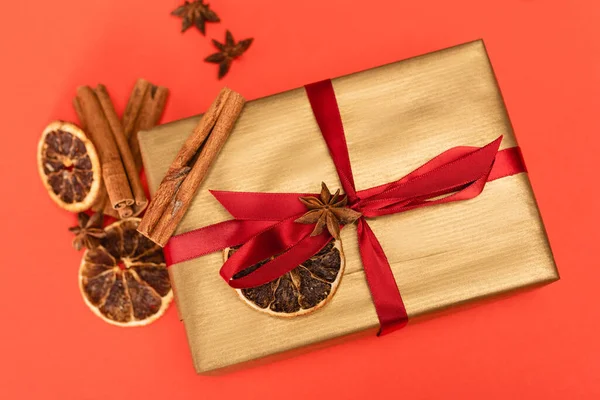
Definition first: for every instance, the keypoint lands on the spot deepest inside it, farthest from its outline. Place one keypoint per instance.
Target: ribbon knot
(329, 211)
(264, 223)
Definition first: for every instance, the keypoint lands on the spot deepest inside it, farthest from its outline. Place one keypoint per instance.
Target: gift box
(395, 118)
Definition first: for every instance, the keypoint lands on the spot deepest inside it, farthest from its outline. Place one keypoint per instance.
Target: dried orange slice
(69, 166)
(125, 281)
(304, 289)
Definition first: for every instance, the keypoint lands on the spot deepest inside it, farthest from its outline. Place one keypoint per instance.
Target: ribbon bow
(265, 223)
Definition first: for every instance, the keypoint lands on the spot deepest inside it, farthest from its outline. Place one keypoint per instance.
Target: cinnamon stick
(188, 170)
(101, 200)
(134, 105)
(151, 109)
(102, 203)
(79, 113)
(128, 163)
(113, 172)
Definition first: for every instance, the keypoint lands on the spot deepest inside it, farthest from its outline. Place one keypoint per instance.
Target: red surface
(540, 344)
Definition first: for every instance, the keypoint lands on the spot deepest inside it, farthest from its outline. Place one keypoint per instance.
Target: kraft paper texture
(396, 117)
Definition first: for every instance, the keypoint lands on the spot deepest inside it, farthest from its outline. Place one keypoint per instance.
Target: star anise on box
(327, 211)
(195, 13)
(88, 231)
(228, 51)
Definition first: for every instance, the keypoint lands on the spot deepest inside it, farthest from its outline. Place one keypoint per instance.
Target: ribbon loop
(251, 206)
(465, 176)
(286, 245)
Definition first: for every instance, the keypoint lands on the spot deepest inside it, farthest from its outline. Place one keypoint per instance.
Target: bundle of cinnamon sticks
(188, 170)
(117, 144)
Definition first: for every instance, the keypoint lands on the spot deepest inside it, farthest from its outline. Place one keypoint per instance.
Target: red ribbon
(264, 222)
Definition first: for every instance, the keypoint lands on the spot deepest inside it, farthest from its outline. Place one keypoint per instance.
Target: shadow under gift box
(396, 118)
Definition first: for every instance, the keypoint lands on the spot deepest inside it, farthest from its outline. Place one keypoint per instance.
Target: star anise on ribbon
(89, 231)
(228, 51)
(329, 211)
(195, 13)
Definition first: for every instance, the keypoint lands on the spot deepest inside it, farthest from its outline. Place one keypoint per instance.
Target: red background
(539, 344)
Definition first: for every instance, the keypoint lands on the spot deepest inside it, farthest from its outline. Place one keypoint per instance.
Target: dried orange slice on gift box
(304, 289)
(69, 166)
(125, 281)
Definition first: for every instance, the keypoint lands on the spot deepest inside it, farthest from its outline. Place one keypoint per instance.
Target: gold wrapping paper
(396, 117)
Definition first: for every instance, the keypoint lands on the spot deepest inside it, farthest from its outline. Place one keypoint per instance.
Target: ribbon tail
(212, 238)
(382, 284)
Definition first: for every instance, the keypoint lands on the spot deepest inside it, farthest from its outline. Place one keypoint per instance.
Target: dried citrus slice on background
(69, 166)
(125, 280)
(304, 289)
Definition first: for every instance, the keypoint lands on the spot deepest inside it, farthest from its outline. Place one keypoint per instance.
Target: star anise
(228, 52)
(195, 13)
(327, 211)
(89, 231)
